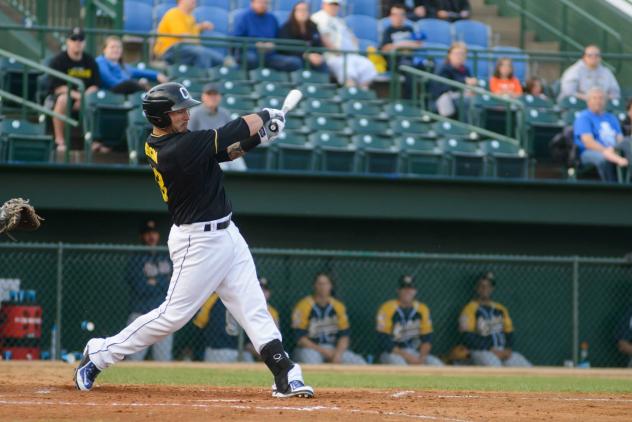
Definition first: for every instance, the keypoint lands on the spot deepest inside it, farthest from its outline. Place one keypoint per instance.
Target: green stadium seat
(542, 126)
(572, 103)
(239, 103)
(265, 74)
(402, 109)
(327, 91)
(295, 152)
(195, 87)
(536, 102)
(416, 127)
(353, 93)
(369, 126)
(271, 102)
(237, 87)
(12, 78)
(136, 99)
(24, 141)
(615, 106)
(335, 152)
(568, 117)
(326, 123)
(465, 157)
(321, 106)
(273, 89)
(106, 117)
(507, 160)
(259, 158)
(309, 76)
(491, 113)
(223, 73)
(361, 108)
(447, 129)
(377, 154)
(138, 129)
(183, 71)
(420, 156)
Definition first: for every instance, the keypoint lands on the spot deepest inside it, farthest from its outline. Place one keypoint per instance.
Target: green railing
(555, 302)
(71, 83)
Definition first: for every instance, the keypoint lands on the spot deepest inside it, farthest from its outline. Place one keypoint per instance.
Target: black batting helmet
(163, 98)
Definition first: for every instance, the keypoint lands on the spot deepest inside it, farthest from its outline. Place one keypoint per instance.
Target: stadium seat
(447, 129)
(135, 15)
(478, 62)
(241, 4)
(216, 15)
(272, 102)
(265, 74)
(237, 88)
(138, 129)
(402, 109)
(195, 86)
(294, 152)
(363, 26)
(182, 71)
(321, 106)
(572, 103)
(472, 32)
(434, 51)
(615, 105)
(11, 79)
(234, 15)
(377, 154)
(326, 123)
(159, 11)
(286, 5)
(273, 89)
(106, 117)
(223, 73)
(222, 4)
(403, 126)
(465, 157)
(259, 158)
(519, 58)
(281, 16)
(353, 93)
(25, 141)
(420, 156)
(325, 91)
(436, 30)
(369, 126)
(239, 103)
(147, 2)
(335, 152)
(364, 7)
(361, 108)
(542, 126)
(507, 160)
(536, 102)
(491, 113)
(309, 76)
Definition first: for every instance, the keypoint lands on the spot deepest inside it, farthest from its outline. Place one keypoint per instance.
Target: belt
(218, 226)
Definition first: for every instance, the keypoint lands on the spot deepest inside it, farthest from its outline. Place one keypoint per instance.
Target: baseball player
(487, 328)
(208, 253)
(404, 328)
(322, 327)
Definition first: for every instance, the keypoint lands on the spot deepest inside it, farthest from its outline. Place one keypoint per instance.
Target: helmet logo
(185, 93)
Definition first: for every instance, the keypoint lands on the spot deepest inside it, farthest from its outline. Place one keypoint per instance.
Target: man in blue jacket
(148, 276)
(257, 22)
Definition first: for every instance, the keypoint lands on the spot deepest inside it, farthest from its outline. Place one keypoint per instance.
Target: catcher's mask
(162, 99)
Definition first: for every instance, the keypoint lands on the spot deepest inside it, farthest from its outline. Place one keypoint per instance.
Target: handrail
(69, 81)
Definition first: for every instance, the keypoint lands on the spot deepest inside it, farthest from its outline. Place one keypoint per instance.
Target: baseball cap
(407, 281)
(210, 87)
(332, 1)
(264, 283)
(76, 34)
(149, 226)
(487, 275)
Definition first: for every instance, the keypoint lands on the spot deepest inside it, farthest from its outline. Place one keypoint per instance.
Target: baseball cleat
(86, 372)
(296, 386)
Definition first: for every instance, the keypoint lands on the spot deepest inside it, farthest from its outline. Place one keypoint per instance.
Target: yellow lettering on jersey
(151, 153)
(161, 184)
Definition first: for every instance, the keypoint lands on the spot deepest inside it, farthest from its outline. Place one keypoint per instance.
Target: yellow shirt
(176, 22)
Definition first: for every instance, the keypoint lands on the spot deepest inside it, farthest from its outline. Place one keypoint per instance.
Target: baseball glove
(18, 214)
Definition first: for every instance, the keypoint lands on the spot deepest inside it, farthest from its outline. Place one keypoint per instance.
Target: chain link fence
(94, 290)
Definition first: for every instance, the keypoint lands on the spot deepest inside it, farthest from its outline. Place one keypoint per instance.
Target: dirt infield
(43, 391)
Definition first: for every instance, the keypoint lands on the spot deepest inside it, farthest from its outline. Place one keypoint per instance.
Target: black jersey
(186, 168)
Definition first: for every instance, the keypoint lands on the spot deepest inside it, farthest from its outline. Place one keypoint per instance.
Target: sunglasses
(593, 54)
(76, 38)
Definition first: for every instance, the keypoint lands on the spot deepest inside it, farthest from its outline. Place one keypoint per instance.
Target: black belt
(220, 226)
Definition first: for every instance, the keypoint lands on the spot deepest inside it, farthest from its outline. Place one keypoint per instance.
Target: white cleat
(296, 386)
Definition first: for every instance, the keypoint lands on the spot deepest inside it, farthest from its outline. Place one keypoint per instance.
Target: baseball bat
(292, 99)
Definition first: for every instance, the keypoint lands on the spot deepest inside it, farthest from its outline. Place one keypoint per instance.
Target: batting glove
(275, 113)
(271, 130)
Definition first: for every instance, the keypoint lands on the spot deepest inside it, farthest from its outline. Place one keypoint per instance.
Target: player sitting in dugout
(404, 327)
(487, 328)
(321, 326)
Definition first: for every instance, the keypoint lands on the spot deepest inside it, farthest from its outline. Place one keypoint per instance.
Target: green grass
(259, 377)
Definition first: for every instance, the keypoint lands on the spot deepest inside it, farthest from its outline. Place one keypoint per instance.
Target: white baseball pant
(204, 263)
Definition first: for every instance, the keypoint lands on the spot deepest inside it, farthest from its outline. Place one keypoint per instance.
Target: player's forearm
(306, 343)
(424, 349)
(256, 122)
(342, 344)
(625, 347)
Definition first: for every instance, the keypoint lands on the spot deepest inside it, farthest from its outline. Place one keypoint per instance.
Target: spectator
(149, 275)
(534, 87)
(415, 9)
(179, 21)
(402, 38)
(322, 327)
(336, 35)
(404, 328)
(587, 73)
(452, 10)
(627, 122)
(503, 82)
(599, 139)
(119, 77)
(487, 328)
(257, 22)
(209, 115)
(300, 27)
(454, 68)
(623, 336)
(265, 288)
(220, 331)
(78, 64)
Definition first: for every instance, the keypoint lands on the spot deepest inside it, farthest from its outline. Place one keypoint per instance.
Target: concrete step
(481, 12)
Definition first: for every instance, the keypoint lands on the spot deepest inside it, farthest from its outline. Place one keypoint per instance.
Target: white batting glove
(275, 113)
(271, 130)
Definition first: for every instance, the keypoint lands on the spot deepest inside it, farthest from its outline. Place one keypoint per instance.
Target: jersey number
(161, 185)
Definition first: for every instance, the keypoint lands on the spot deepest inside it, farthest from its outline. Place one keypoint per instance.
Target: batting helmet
(162, 99)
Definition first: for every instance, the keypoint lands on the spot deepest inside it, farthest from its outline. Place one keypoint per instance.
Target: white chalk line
(402, 394)
(230, 406)
(476, 397)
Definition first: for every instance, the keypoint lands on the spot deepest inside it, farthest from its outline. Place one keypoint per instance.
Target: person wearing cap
(148, 276)
(404, 328)
(487, 328)
(321, 326)
(75, 62)
(209, 115)
(179, 20)
(336, 35)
